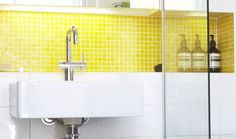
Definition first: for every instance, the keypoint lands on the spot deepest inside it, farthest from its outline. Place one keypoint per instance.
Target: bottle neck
(212, 46)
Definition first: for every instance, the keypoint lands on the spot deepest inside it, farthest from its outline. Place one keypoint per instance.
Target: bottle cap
(212, 37)
(212, 42)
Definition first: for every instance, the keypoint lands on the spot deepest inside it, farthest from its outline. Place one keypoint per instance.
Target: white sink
(61, 99)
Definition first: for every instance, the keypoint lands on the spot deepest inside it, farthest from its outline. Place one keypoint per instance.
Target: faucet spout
(68, 66)
(73, 30)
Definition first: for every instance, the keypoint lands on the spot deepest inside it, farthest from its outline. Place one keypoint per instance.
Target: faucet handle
(83, 57)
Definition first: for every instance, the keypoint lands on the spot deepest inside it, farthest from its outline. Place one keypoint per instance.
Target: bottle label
(199, 60)
(215, 60)
(184, 60)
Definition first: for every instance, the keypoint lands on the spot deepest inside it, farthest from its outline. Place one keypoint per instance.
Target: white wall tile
(191, 89)
(228, 137)
(185, 137)
(41, 131)
(91, 129)
(199, 120)
(215, 137)
(199, 90)
(215, 119)
(134, 138)
(227, 119)
(182, 119)
(177, 120)
(199, 137)
(151, 124)
(215, 88)
(227, 89)
(11, 128)
(148, 125)
(114, 127)
(178, 92)
(153, 92)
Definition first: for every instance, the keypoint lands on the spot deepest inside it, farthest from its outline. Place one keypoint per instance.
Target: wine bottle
(215, 57)
(183, 56)
(199, 56)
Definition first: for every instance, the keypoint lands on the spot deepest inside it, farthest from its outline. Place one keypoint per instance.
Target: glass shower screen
(185, 58)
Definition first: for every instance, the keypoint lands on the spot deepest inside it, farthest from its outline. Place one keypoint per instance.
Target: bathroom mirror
(74, 3)
(136, 4)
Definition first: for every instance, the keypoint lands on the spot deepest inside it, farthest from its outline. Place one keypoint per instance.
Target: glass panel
(185, 47)
(222, 79)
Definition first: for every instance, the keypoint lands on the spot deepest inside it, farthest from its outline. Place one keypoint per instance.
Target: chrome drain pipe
(72, 125)
(73, 132)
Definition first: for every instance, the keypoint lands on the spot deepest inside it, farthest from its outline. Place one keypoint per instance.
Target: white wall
(223, 104)
(222, 5)
(186, 109)
(186, 96)
(186, 105)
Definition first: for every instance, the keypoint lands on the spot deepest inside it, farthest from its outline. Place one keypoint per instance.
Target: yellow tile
(111, 43)
(37, 41)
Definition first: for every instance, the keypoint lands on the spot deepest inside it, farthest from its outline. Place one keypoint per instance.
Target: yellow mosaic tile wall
(221, 26)
(190, 26)
(213, 28)
(36, 41)
(225, 39)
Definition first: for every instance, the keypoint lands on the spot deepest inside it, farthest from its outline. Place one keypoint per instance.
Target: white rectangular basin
(61, 99)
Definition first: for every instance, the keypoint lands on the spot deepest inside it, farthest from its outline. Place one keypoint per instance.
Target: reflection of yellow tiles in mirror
(36, 41)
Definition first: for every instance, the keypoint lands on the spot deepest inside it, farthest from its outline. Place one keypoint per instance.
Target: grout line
(30, 135)
(5, 107)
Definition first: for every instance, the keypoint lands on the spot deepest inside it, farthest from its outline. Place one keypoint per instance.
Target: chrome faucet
(69, 66)
(68, 41)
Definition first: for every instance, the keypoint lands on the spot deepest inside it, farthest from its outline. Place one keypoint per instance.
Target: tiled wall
(223, 103)
(190, 26)
(36, 41)
(225, 35)
(186, 111)
(221, 25)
